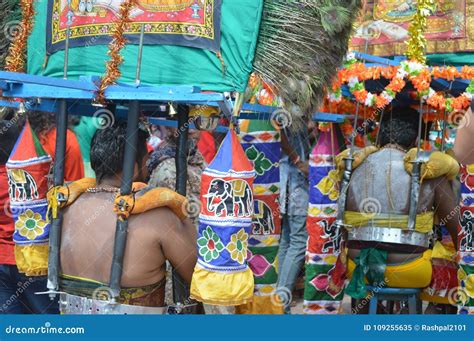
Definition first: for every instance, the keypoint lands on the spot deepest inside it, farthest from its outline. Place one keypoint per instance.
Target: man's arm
(178, 243)
(293, 155)
(447, 207)
(464, 144)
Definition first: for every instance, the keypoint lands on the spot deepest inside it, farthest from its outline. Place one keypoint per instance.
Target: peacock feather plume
(301, 44)
(9, 24)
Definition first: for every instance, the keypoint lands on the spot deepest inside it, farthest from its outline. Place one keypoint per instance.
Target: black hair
(8, 135)
(41, 122)
(400, 127)
(108, 146)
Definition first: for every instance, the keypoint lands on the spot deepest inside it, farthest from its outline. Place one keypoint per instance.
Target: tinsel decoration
(112, 66)
(300, 46)
(9, 21)
(15, 60)
(416, 44)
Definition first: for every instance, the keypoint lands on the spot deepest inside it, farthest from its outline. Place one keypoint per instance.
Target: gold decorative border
(205, 30)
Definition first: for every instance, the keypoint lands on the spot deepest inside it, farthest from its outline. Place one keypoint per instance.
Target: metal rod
(68, 33)
(346, 178)
(415, 178)
(180, 288)
(125, 189)
(443, 132)
(56, 225)
(140, 53)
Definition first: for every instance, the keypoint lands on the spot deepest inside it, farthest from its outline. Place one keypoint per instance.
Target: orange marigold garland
(112, 66)
(15, 61)
(418, 74)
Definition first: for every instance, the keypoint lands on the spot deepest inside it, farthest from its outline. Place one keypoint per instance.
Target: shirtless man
(380, 191)
(153, 236)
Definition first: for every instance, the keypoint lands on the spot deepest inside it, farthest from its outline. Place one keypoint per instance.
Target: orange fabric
(73, 165)
(157, 197)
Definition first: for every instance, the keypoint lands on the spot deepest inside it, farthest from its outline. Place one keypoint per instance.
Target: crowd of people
(160, 237)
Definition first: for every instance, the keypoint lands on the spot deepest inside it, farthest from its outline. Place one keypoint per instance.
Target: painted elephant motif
(234, 198)
(262, 221)
(21, 185)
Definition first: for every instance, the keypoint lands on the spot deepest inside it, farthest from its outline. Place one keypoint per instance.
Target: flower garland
(15, 61)
(418, 74)
(112, 71)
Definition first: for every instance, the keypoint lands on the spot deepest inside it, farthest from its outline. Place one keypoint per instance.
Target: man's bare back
(383, 179)
(153, 237)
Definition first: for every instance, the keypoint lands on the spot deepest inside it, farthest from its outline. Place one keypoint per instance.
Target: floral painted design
(329, 185)
(30, 224)
(210, 245)
(260, 161)
(237, 246)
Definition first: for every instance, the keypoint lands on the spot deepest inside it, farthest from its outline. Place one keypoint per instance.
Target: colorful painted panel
(383, 25)
(465, 242)
(167, 58)
(222, 275)
(27, 169)
(261, 143)
(193, 23)
(325, 264)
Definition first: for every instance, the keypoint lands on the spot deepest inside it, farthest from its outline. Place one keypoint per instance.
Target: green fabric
(270, 253)
(164, 64)
(370, 263)
(454, 59)
(310, 292)
(38, 146)
(260, 125)
(84, 131)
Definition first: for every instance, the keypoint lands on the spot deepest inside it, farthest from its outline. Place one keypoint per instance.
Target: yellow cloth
(439, 164)
(424, 221)
(261, 305)
(203, 110)
(225, 289)
(359, 157)
(447, 252)
(413, 274)
(32, 260)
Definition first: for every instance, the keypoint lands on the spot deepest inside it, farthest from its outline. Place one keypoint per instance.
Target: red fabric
(73, 165)
(7, 255)
(318, 234)
(207, 146)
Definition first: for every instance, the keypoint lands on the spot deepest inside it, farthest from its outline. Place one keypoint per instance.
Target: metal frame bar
(56, 225)
(120, 240)
(180, 288)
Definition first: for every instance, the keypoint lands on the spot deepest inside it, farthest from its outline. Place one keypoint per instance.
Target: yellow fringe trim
(226, 289)
(32, 260)
(261, 305)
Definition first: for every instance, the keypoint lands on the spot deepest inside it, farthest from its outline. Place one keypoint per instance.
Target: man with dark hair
(44, 125)
(154, 236)
(17, 291)
(378, 205)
